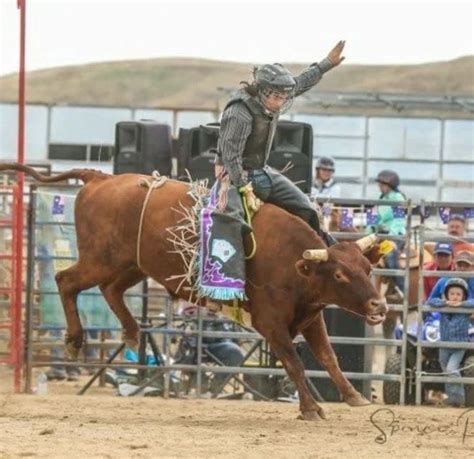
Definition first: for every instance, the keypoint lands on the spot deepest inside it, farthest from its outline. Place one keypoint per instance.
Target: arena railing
(12, 307)
(169, 330)
(442, 210)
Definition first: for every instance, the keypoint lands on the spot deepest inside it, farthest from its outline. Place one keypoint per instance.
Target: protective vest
(259, 142)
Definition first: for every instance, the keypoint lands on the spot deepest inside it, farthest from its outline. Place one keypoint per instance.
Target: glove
(253, 203)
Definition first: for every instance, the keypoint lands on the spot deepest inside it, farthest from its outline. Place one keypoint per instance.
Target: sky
(69, 32)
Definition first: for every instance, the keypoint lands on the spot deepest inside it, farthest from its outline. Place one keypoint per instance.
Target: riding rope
(248, 219)
(156, 182)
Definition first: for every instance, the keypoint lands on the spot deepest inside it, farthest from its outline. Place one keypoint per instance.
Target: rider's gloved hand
(253, 203)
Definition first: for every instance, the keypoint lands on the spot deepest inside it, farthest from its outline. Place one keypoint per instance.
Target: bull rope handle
(156, 182)
(248, 218)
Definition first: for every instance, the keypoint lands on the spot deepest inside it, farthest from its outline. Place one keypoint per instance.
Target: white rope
(446, 373)
(156, 182)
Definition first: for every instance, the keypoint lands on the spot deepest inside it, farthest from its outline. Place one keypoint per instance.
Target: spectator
(324, 185)
(453, 328)
(457, 229)
(389, 221)
(224, 350)
(463, 261)
(443, 261)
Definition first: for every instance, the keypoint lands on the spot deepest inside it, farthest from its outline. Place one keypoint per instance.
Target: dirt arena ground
(100, 424)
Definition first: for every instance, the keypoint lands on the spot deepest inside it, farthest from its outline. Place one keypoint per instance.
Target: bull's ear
(303, 268)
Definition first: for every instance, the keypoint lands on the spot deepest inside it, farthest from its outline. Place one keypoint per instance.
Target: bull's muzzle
(377, 311)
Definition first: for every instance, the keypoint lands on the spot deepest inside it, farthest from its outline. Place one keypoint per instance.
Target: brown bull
(287, 284)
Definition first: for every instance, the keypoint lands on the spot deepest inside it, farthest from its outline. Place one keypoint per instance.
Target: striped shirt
(236, 124)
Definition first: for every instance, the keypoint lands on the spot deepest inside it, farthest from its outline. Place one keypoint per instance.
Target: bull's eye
(340, 277)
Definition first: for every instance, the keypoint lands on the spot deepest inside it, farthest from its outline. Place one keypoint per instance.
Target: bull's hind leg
(71, 282)
(113, 293)
(317, 338)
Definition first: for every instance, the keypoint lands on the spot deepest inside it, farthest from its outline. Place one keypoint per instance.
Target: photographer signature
(387, 423)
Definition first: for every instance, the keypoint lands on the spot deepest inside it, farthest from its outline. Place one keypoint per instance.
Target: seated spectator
(454, 328)
(457, 229)
(224, 350)
(442, 261)
(464, 261)
(324, 185)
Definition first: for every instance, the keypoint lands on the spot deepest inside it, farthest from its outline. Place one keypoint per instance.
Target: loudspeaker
(197, 151)
(292, 145)
(202, 167)
(292, 148)
(351, 358)
(142, 147)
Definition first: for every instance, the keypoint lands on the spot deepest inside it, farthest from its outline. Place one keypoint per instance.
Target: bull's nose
(378, 306)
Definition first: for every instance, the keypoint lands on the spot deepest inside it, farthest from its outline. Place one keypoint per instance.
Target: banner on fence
(56, 250)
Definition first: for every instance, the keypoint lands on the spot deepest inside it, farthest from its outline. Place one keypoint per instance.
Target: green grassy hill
(193, 83)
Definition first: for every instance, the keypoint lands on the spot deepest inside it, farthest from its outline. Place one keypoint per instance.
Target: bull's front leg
(278, 336)
(317, 338)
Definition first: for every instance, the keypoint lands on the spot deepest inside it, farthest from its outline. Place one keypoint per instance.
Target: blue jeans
(391, 261)
(450, 360)
(230, 354)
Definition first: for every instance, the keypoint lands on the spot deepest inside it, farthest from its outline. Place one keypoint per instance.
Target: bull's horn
(316, 254)
(366, 242)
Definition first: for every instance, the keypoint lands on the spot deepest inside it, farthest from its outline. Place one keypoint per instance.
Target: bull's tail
(82, 174)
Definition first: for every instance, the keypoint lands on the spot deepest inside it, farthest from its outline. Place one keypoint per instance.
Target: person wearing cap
(246, 133)
(454, 327)
(324, 185)
(464, 262)
(457, 229)
(389, 221)
(442, 261)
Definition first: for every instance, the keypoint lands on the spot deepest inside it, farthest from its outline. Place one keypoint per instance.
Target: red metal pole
(17, 347)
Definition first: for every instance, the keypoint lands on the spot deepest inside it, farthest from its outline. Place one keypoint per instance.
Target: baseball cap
(444, 247)
(465, 257)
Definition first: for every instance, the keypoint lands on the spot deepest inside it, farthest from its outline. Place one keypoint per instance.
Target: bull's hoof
(313, 415)
(356, 399)
(131, 341)
(72, 350)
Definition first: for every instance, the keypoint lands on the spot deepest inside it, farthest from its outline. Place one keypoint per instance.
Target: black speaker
(292, 146)
(351, 358)
(292, 152)
(197, 151)
(142, 147)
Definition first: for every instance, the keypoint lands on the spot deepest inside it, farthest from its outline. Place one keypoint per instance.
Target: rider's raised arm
(313, 74)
